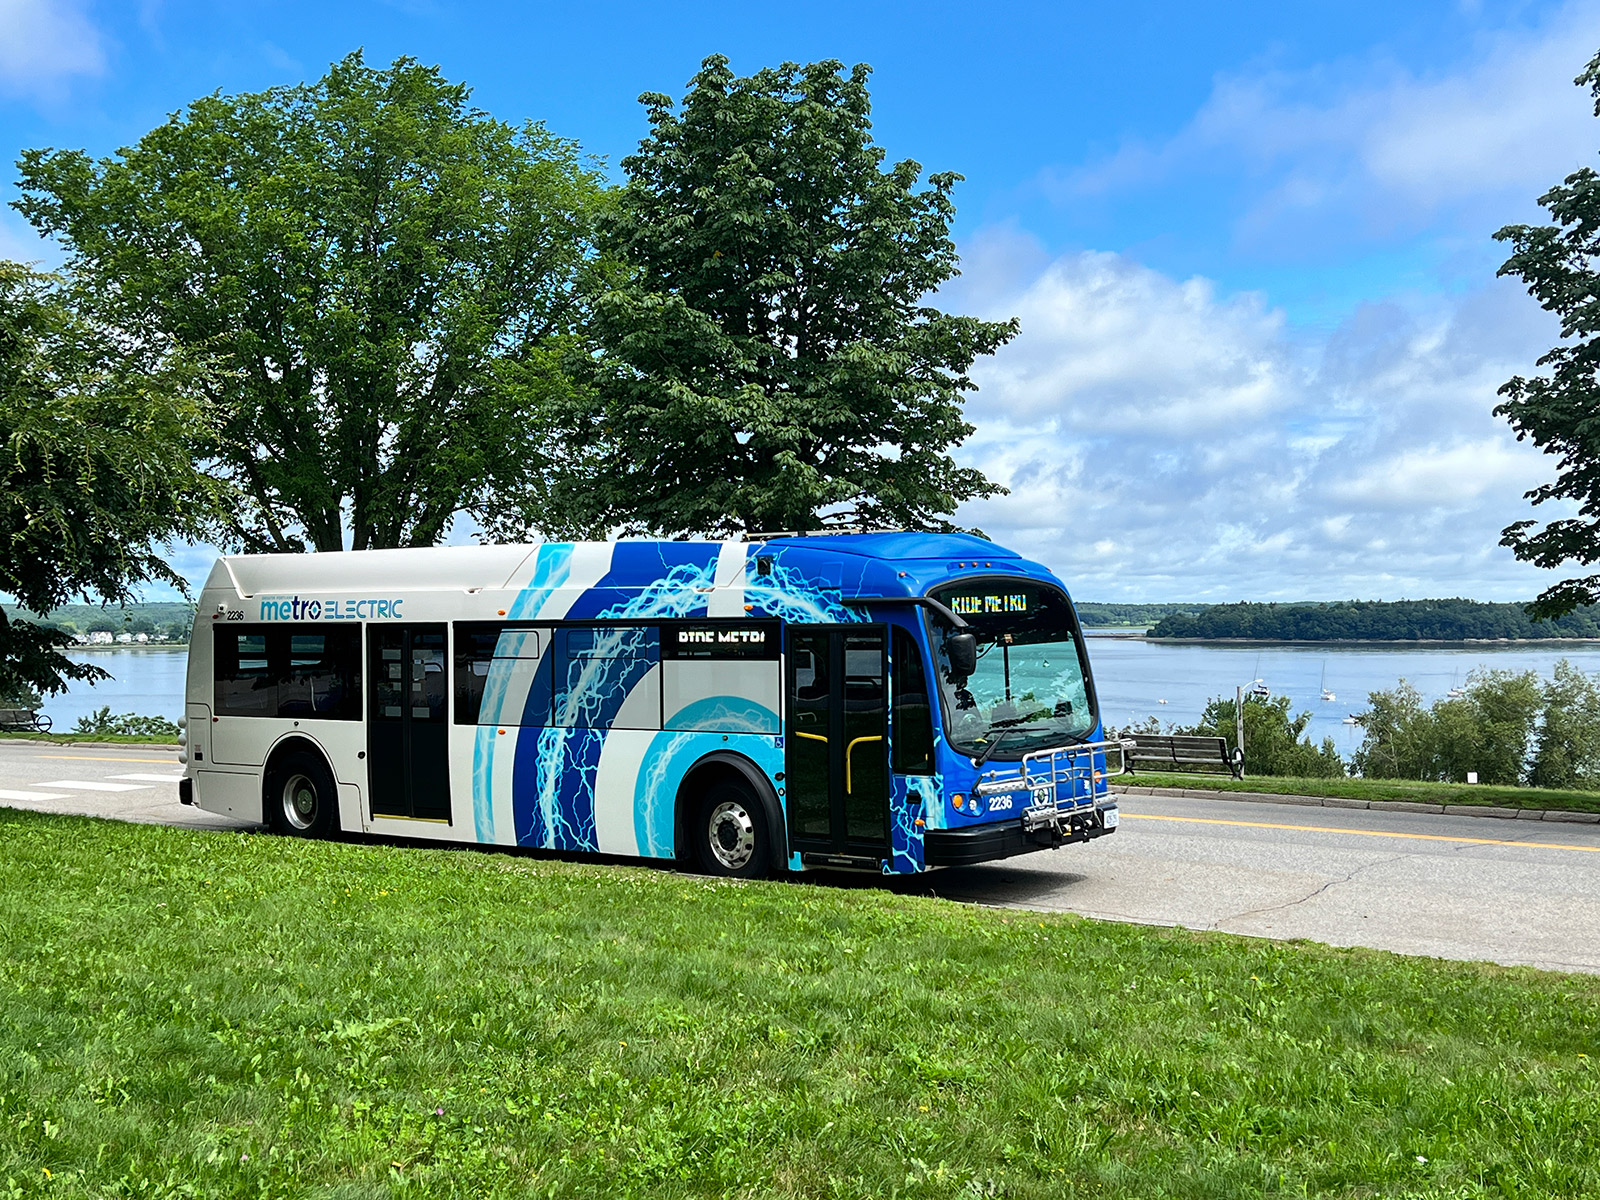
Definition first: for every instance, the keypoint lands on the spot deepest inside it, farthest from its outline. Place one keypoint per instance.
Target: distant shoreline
(127, 646)
(1135, 635)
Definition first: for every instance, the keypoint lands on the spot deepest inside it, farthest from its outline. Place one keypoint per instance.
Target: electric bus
(891, 701)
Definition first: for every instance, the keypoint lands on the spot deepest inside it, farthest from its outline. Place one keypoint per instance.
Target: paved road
(1456, 887)
(1511, 892)
(131, 783)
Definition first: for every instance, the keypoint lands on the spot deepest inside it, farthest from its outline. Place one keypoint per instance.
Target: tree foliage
(1560, 264)
(772, 355)
(1273, 739)
(1491, 730)
(1567, 751)
(97, 437)
(392, 275)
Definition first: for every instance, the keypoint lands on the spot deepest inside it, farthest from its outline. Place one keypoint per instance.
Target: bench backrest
(1178, 744)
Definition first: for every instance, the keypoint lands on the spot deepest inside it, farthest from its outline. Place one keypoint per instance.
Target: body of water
(1132, 677)
(147, 681)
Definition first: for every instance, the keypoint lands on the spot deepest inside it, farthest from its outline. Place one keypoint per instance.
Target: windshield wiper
(1002, 736)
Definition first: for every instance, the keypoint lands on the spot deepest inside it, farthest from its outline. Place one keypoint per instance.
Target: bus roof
(768, 574)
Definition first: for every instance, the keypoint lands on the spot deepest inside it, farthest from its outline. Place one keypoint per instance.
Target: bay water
(1132, 677)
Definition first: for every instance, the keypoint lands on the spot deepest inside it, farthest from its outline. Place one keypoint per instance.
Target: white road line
(150, 778)
(85, 785)
(9, 795)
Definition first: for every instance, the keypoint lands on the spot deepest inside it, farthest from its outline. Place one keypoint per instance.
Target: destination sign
(720, 641)
(989, 602)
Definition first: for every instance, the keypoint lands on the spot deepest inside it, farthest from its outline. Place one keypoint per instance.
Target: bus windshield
(1031, 687)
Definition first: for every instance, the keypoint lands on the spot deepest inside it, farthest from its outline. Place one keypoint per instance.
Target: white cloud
(45, 42)
(1359, 148)
(1165, 442)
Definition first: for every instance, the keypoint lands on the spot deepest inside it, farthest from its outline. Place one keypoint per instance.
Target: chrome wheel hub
(732, 835)
(300, 801)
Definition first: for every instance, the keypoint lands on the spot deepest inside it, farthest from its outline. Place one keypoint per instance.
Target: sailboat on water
(1326, 694)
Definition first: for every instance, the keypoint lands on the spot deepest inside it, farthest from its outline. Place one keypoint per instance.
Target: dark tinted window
(288, 671)
(913, 717)
(478, 646)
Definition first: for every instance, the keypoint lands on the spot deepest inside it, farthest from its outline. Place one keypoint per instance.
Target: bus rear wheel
(731, 836)
(301, 799)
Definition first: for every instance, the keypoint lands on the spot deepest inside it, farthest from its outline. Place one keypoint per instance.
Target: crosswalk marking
(94, 785)
(10, 795)
(150, 778)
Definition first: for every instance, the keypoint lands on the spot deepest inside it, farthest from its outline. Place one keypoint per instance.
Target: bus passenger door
(408, 752)
(836, 753)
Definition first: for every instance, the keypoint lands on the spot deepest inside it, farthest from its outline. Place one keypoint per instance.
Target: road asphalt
(1512, 892)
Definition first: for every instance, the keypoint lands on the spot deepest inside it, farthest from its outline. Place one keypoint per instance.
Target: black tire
(729, 832)
(301, 798)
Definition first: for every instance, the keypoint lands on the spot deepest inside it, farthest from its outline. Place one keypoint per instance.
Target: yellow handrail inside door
(848, 751)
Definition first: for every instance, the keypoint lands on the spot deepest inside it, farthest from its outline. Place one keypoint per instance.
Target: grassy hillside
(79, 617)
(244, 1015)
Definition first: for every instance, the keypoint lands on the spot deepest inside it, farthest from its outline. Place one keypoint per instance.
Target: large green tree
(392, 275)
(1560, 412)
(773, 354)
(98, 435)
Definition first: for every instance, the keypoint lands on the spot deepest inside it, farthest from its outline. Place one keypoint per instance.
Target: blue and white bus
(884, 701)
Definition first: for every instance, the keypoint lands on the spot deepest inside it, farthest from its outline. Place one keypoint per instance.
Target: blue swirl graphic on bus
(551, 566)
(906, 837)
(672, 753)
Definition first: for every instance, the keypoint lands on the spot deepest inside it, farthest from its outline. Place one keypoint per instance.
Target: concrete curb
(1464, 810)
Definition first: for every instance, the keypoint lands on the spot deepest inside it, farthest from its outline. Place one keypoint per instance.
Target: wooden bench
(1184, 754)
(25, 719)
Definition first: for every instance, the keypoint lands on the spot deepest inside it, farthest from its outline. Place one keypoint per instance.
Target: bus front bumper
(1039, 828)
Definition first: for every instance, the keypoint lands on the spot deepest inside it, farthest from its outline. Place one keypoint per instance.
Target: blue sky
(1249, 243)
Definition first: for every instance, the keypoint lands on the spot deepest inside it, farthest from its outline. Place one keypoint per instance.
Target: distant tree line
(1377, 621)
(1131, 616)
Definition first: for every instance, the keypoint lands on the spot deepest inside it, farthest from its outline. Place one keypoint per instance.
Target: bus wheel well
(293, 745)
(726, 766)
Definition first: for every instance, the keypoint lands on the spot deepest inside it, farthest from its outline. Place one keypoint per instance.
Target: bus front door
(408, 764)
(836, 752)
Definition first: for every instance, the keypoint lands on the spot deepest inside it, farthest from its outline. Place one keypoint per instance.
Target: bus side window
(913, 717)
(596, 673)
(322, 677)
(288, 671)
(245, 684)
(502, 662)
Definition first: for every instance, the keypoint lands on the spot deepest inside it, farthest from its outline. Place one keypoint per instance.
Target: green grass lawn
(1377, 789)
(201, 1014)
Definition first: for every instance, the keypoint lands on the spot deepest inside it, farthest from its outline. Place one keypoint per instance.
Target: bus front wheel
(731, 832)
(301, 797)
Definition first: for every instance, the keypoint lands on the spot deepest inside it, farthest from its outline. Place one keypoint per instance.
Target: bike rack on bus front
(1060, 780)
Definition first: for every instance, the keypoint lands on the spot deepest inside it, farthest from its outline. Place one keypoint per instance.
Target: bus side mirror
(962, 651)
